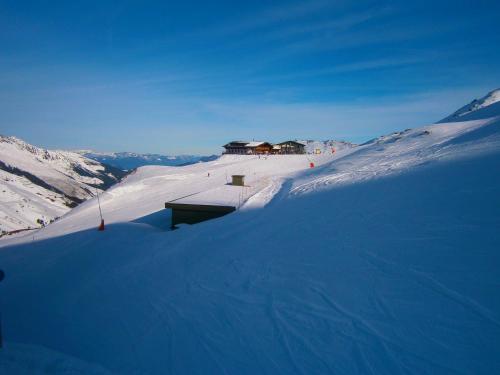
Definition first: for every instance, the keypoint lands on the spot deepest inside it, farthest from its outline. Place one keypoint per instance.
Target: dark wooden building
(236, 147)
(259, 148)
(248, 148)
(291, 147)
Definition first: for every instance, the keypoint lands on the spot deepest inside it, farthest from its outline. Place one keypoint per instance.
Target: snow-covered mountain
(382, 259)
(39, 185)
(131, 160)
(488, 106)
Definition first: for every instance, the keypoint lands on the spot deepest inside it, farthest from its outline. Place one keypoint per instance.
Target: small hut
(238, 180)
(185, 213)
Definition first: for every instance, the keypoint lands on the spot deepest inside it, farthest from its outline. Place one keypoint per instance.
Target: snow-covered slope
(486, 107)
(132, 160)
(41, 185)
(402, 151)
(145, 191)
(328, 146)
(382, 259)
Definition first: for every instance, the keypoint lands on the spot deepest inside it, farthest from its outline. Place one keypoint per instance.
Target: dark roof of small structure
(199, 207)
(295, 142)
(236, 144)
(252, 144)
(244, 144)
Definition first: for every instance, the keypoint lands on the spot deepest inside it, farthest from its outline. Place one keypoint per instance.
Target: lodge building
(263, 148)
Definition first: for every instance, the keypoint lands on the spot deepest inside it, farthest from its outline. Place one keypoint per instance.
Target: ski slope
(380, 260)
(144, 192)
(402, 151)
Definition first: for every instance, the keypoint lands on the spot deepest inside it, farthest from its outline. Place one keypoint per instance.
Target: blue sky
(185, 77)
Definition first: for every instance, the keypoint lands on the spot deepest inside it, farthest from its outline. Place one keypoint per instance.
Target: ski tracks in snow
(430, 283)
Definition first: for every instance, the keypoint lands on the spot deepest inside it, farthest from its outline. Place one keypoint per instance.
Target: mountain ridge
(487, 106)
(38, 185)
(131, 160)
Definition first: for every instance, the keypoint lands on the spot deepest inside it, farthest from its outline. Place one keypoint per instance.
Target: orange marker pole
(101, 226)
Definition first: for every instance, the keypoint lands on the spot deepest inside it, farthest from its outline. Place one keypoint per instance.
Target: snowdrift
(382, 260)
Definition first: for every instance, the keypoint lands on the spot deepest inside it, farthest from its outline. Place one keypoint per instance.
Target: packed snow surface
(382, 259)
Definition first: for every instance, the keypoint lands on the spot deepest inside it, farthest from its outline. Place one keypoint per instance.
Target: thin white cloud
(341, 23)
(359, 66)
(274, 15)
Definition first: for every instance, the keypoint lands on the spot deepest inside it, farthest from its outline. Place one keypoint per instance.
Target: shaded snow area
(29, 359)
(380, 260)
(38, 185)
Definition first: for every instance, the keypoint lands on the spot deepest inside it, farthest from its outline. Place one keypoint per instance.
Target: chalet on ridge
(248, 148)
(236, 147)
(264, 148)
(291, 147)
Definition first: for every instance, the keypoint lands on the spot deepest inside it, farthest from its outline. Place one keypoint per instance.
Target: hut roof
(297, 143)
(226, 195)
(236, 144)
(256, 144)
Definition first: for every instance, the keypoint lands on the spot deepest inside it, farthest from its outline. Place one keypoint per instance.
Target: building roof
(236, 144)
(256, 144)
(200, 207)
(225, 195)
(244, 144)
(297, 143)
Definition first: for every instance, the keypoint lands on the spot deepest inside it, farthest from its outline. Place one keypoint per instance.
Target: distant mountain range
(130, 160)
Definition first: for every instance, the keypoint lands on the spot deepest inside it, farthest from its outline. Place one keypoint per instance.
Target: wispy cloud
(347, 68)
(339, 23)
(356, 121)
(275, 15)
(370, 37)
